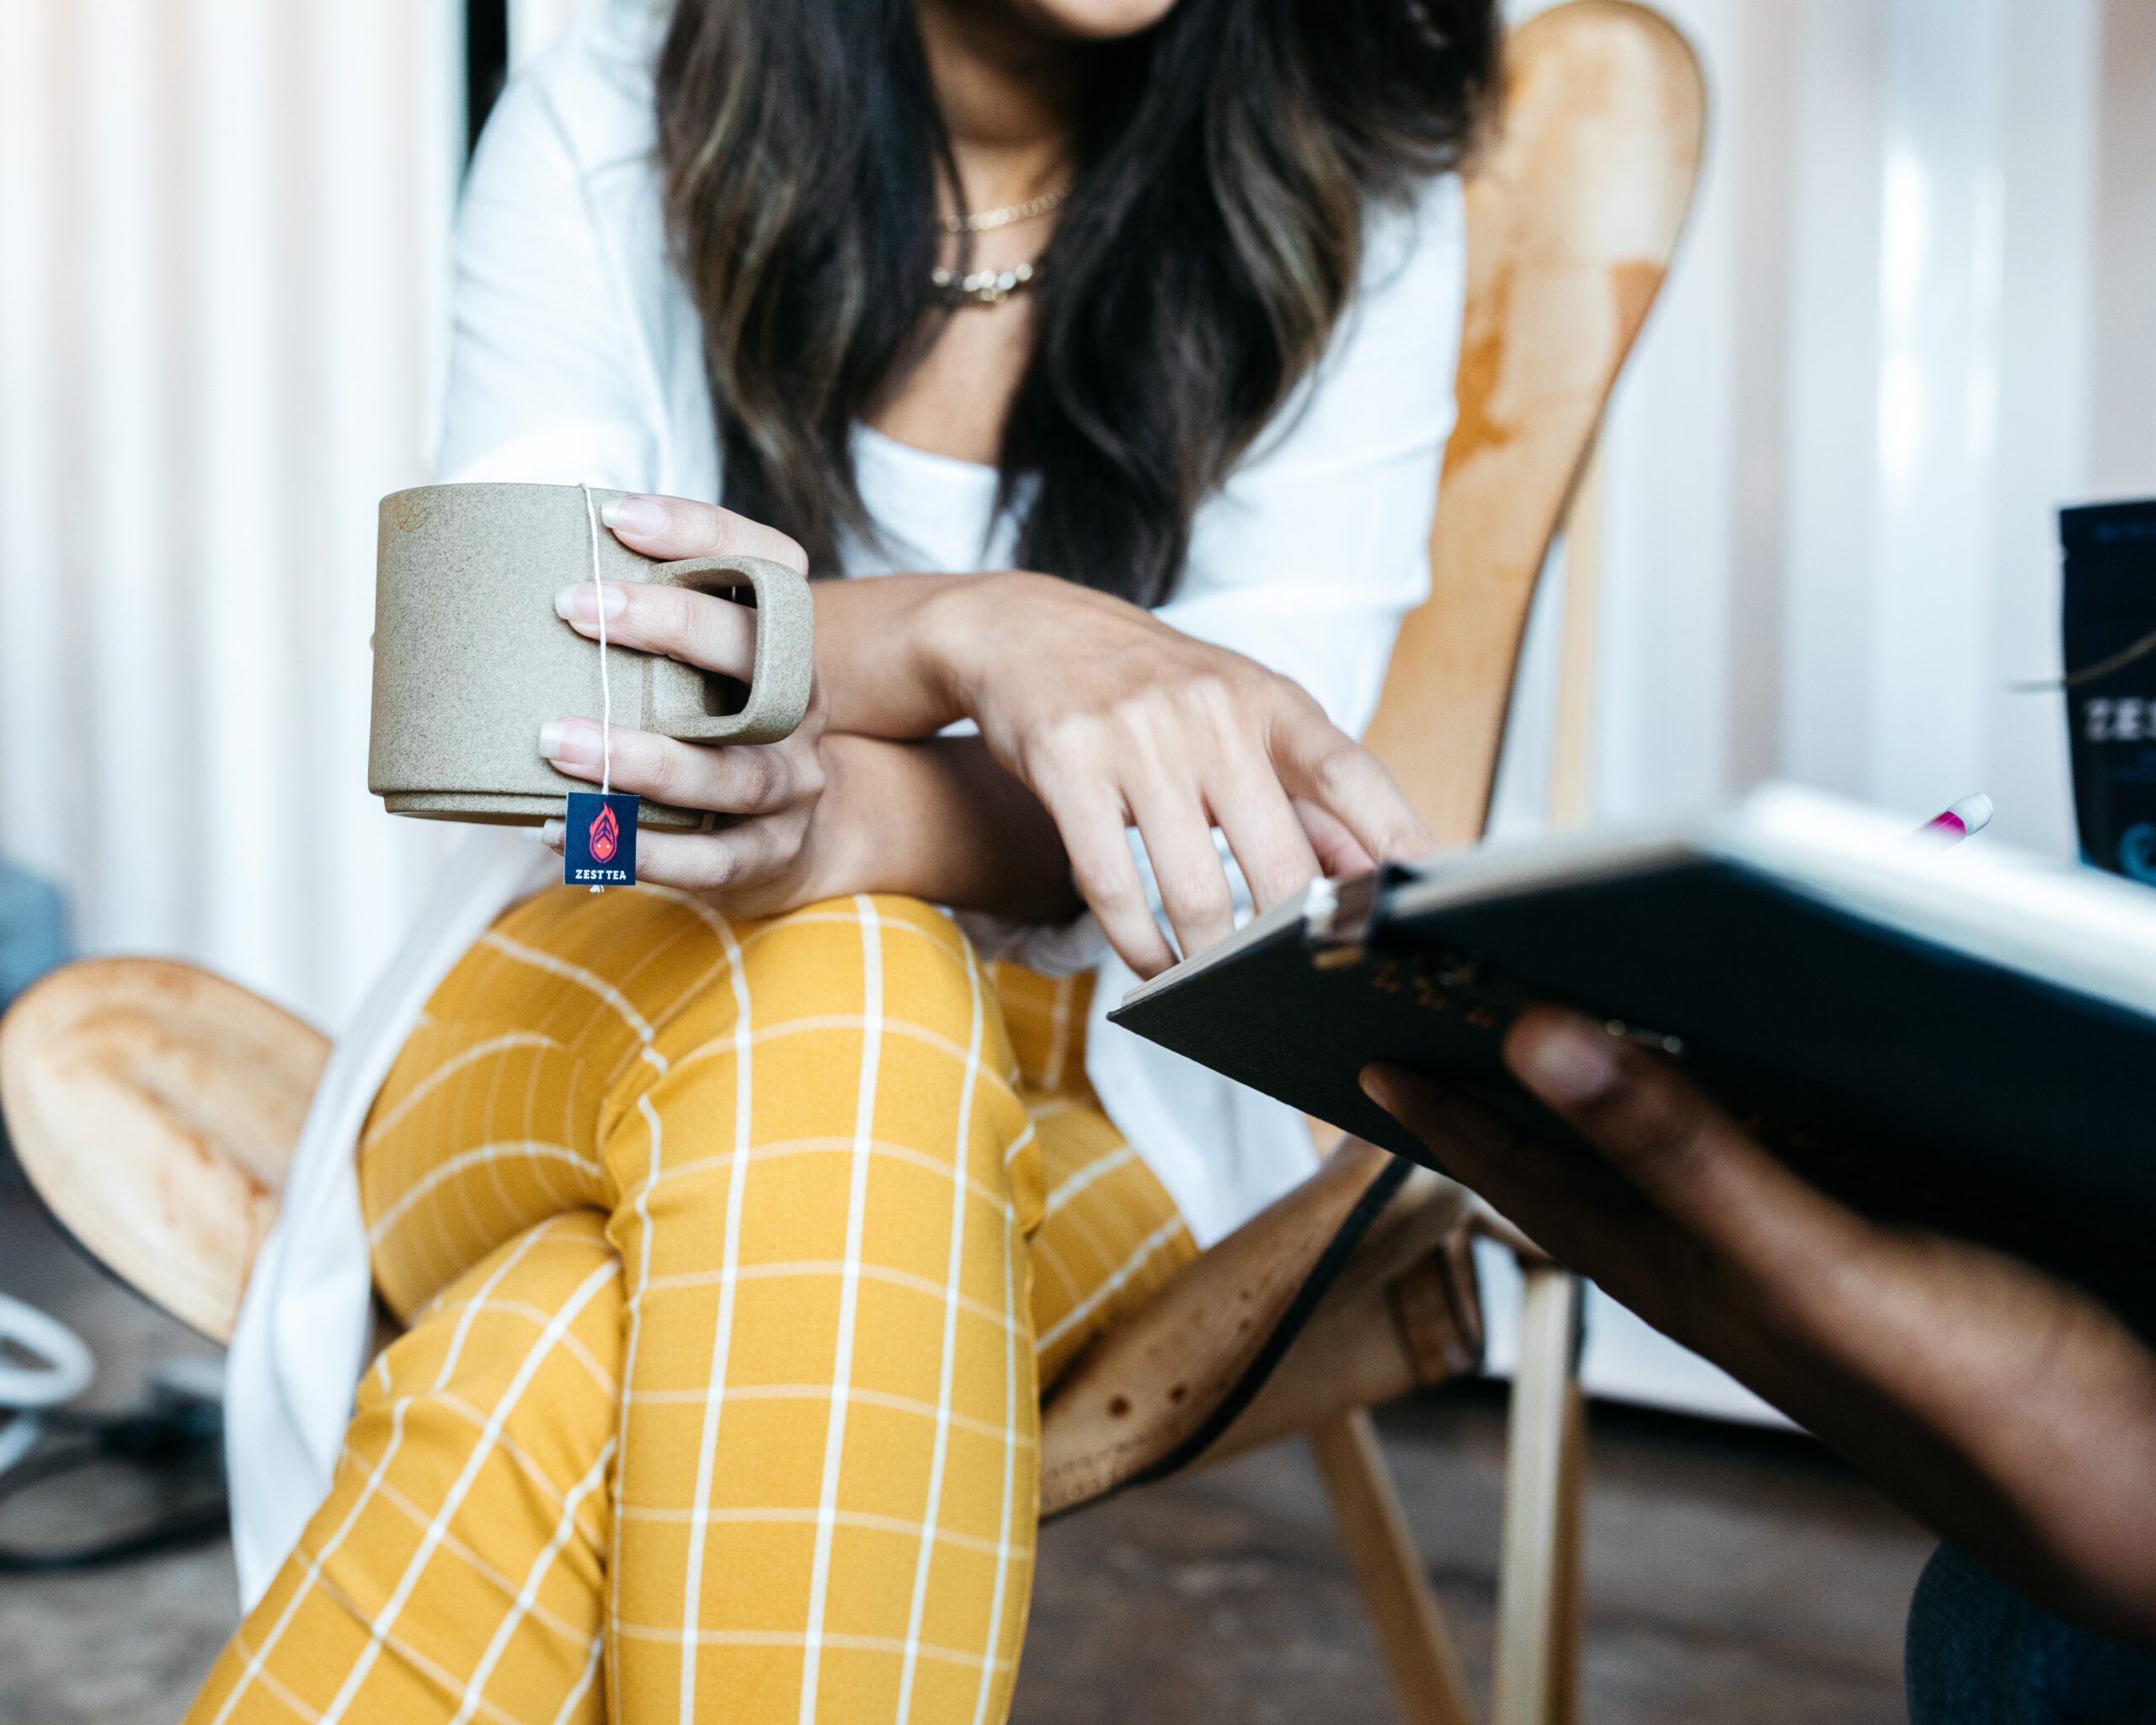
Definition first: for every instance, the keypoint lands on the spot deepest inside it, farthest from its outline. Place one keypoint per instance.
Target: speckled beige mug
(470, 658)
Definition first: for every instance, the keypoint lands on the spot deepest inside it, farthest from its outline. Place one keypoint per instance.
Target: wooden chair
(1574, 211)
(155, 1105)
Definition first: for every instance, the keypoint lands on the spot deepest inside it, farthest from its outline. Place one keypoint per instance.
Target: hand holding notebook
(1966, 1038)
(2006, 1408)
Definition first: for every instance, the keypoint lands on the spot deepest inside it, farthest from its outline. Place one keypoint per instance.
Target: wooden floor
(1731, 1576)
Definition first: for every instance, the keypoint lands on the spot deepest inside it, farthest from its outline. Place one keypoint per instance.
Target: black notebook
(1963, 1037)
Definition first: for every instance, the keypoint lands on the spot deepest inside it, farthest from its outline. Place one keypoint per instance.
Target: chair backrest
(1574, 209)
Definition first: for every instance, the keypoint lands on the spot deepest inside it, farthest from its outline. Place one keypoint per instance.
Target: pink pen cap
(1959, 820)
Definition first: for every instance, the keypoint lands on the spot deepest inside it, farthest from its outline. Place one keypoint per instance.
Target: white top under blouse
(577, 357)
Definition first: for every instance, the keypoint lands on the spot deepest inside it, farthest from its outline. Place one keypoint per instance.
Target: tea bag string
(605, 684)
(2132, 653)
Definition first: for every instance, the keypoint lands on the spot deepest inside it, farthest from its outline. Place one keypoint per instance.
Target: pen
(1959, 820)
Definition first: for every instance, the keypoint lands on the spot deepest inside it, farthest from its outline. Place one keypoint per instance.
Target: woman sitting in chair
(738, 1220)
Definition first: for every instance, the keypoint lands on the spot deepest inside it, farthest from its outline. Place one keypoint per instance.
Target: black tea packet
(2110, 628)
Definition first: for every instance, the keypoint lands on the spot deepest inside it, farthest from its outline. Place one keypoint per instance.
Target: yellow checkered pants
(734, 1255)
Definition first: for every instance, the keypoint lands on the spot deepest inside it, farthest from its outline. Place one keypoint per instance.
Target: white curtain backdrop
(1915, 313)
(1913, 316)
(222, 264)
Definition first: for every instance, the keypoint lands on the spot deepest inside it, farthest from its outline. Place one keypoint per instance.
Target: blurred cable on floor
(172, 1443)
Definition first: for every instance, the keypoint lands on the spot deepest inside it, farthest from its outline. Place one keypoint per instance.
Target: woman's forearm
(1110, 718)
(940, 820)
(882, 650)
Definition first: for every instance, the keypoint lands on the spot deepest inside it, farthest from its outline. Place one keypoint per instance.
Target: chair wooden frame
(1574, 212)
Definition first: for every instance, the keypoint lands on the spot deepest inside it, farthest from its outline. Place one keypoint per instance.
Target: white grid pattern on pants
(687, 1068)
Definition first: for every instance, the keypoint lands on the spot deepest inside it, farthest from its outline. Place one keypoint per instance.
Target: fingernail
(640, 515)
(571, 742)
(580, 603)
(1567, 1061)
(550, 833)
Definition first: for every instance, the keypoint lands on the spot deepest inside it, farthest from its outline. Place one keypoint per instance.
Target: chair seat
(154, 1106)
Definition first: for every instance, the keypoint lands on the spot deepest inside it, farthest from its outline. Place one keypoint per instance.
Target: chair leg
(1410, 1628)
(1538, 1665)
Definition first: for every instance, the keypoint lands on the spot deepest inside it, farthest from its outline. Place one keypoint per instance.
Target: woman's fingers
(1679, 1150)
(1106, 874)
(730, 860)
(1259, 823)
(1186, 866)
(1321, 764)
(1338, 854)
(698, 628)
(743, 779)
(673, 528)
(735, 858)
(1572, 1206)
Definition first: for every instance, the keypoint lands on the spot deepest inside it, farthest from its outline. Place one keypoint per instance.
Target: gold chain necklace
(1010, 215)
(991, 288)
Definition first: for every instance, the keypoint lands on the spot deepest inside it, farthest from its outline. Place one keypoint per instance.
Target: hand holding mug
(769, 851)
(472, 655)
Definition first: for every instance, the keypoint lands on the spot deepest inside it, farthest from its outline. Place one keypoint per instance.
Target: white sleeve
(547, 381)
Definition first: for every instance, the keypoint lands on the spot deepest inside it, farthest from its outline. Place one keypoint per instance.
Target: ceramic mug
(470, 658)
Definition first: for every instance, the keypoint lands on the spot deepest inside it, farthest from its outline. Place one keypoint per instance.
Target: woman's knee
(862, 1016)
(854, 1104)
(875, 955)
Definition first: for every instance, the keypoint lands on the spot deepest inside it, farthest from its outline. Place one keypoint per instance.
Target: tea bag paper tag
(599, 840)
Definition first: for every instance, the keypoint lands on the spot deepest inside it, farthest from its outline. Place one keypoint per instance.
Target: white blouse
(577, 356)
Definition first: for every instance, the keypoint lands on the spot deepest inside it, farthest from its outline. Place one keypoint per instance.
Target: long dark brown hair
(1211, 240)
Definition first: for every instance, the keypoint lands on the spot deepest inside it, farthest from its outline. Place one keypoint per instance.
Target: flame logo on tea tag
(606, 835)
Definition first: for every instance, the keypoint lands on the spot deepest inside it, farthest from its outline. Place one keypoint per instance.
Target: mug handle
(785, 665)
